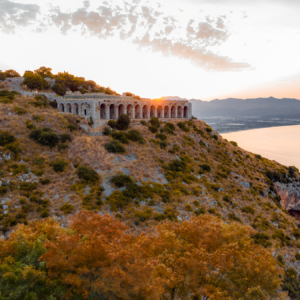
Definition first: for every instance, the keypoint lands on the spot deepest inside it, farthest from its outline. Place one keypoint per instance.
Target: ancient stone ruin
(102, 107)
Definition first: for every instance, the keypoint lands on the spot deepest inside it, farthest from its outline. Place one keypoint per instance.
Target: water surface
(276, 143)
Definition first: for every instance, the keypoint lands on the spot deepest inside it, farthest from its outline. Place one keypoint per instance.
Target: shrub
(208, 129)
(35, 82)
(72, 127)
(45, 214)
(280, 259)
(258, 156)
(234, 143)
(233, 217)
(205, 167)
(143, 122)
(29, 187)
(161, 136)
(29, 125)
(45, 181)
(38, 118)
(65, 137)
(62, 147)
(188, 207)
(262, 239)
(163, 144)
(88, 174)
(291, 283)
(49, 139)
(297, 256)
(152, 129)
(155, 122)
(6, 138)
(58, 165)
(112, 124)
(135, 136)
(8, 95)
(118, 200)
(19, 110)
(121, 180)
(53, 104)
(248, 209)
(120, 136)
(183, 127)
(106, 131)
(3, 190)
(167, 130)
(123, 122)
(66, 208)
(170, 125)
(115, 147)
(226, 199)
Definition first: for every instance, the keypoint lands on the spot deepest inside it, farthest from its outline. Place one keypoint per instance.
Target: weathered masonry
(102, 107)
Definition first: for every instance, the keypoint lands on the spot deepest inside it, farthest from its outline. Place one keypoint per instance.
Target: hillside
(181, 171)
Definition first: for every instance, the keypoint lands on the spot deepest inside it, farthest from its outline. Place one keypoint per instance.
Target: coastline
(279, 143)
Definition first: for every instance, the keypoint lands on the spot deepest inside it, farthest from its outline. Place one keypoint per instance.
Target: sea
(275, 139)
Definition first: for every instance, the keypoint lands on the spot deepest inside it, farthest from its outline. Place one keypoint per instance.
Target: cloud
(13, 15)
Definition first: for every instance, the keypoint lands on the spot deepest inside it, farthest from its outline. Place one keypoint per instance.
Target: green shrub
(29, 125)
(29, 187)
(19, 110)
(205, 167)
(120, 136)
(183, 127)
(45, 181)
(280, 259)
(35, 82)
(112, 124)
(233, 217)
(161, 136)
(115, 147)
(188, 207)
(117, 200)
(58, 165)
(208, 129)
(291, 283)
(121, 180)
(163, 144)
(39, 118)
(5, 94)
(88, 174)
(167, 130)
(248, 209)
(226, 199)
(177, 166)
(123, 122)
(258, 156)
(170, 125)
(106, 131)
(3, 190)
(297, 256)
(72, 127)
(53, 104)
(49, 139)
(66, 208)
(62, 147)
(234, 143)
(14, 148)
(6, 138)
(65, 137)
(262, 239)
(135, 136)
(152, 129)
(45, 214)
(155, 122)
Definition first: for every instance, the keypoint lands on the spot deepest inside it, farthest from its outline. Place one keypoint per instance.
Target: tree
(59, 89)
(12, 73)
(35, 82)
(155, 122)
(44, 72)
(6, 138)
(123, 122)
(2, 75)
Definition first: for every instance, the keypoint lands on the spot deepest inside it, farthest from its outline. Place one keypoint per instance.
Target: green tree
(35, 82)
(12, 73)
(59, 89)
(123, 122)
(2, 75)
(44, 72)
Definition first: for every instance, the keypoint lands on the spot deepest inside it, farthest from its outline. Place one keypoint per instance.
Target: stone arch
(102, 111)
(145, 112)
(160, 112)
(112, 111)
(121, 109)
(152, 111)
(166, 111)
(83, 109)
(179, 112)
(76, 109)
(137, 112)
(61, 107)
(173, 112)
(68, 108)
(130, 111)
(185, 112)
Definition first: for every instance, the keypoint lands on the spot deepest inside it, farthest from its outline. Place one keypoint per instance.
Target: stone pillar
(107, 112)
(155, 111)
(133, 113)
(141, 112)
(176, 111)
(169, 112)
(117, 111)
(125, 110)
(148, 112)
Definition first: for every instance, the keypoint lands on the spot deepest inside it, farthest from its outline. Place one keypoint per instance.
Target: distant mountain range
(257, 107)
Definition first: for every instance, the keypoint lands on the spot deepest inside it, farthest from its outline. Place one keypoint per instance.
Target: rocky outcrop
(290, 197)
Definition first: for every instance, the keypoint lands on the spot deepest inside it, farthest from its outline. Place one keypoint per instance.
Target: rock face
(290, 197)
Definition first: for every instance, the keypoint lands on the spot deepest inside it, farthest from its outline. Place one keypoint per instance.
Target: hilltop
(141, 175)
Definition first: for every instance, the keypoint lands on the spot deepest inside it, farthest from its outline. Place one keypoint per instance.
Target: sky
(201, 49)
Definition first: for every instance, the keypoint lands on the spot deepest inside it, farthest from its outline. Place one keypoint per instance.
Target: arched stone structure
(61, 107)
(76, 109)
(112, 111)
(185, 112)
(166, 111)
(102, 111)
(145, 112)
(121, 109)
(179, 112)
(68, 108)
(152, 111)
(83, 110)
(137, 112)
(173, 112)
(130, 111)
(159, 112)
